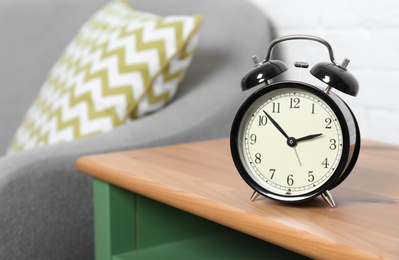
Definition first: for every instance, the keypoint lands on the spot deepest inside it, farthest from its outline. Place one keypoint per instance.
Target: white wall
(367, 32)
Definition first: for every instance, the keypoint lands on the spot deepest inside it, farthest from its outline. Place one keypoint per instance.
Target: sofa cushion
(123, 64)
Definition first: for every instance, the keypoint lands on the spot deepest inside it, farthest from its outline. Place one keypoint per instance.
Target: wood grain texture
(200, 178)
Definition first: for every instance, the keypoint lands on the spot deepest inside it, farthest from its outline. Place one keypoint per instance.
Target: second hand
(297, 156)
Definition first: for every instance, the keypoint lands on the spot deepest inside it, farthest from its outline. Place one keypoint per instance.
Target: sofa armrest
(46, 205)
(46, 210)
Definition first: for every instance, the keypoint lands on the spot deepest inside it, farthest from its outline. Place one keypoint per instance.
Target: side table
(188, 200)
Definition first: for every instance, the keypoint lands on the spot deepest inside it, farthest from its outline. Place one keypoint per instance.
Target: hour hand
(308, 137)
(276, 125)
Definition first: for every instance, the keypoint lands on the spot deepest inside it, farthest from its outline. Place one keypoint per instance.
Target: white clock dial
(291, 141)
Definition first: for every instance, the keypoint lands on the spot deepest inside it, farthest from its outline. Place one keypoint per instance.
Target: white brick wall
(367, 32)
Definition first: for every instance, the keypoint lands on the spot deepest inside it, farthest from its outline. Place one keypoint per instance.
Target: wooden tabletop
(201, 178)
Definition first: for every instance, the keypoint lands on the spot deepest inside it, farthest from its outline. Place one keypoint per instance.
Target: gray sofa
(45, 203)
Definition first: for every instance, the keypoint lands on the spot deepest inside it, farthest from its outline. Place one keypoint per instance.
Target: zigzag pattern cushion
(123, 64)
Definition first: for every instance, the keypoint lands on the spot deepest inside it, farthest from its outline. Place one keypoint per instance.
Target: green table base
(130, 226)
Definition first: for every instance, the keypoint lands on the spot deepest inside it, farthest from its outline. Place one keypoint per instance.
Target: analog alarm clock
(291, 141)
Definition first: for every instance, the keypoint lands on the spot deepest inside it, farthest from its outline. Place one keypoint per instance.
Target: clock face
(290, 142)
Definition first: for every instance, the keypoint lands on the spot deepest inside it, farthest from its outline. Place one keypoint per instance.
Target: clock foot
(328, 198)
(254, 196)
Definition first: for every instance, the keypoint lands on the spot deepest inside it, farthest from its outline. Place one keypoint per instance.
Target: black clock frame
(350, 149)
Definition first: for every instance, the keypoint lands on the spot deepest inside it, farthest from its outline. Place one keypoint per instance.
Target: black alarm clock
(292, 141)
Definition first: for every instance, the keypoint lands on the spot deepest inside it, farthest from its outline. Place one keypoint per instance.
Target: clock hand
(308, 137)
(297, 156)
(291, 141)
(276, 125)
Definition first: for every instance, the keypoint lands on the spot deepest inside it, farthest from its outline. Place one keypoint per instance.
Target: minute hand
(276, 125)
(308, 137)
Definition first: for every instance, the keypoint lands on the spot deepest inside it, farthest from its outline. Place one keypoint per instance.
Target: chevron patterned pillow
(123, 64)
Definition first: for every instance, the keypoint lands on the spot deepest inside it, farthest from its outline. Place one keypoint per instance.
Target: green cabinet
(130, 226)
